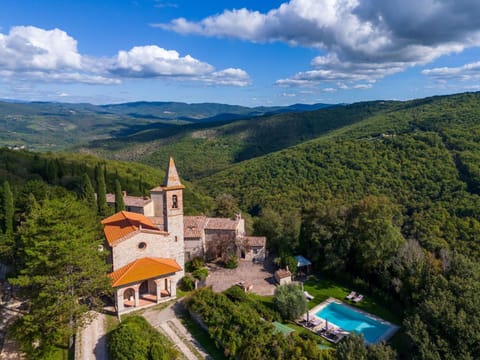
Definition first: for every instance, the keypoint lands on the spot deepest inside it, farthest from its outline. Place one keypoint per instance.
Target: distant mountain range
(55, 126)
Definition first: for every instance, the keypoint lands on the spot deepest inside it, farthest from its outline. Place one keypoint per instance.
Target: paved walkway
(166, 321)
(91, 341)
(9, 311)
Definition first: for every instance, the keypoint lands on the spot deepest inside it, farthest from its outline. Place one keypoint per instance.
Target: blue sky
(238, 52)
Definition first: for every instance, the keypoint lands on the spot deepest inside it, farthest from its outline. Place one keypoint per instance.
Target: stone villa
(149, 243)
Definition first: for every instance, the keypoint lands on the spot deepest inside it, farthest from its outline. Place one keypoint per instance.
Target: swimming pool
(373, 330)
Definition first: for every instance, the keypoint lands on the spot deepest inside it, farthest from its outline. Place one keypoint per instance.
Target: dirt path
(91, 341)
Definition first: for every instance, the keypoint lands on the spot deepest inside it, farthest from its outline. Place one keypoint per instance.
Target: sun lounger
(315, 322)
(358, 298)
(308, 296)
(351, 295)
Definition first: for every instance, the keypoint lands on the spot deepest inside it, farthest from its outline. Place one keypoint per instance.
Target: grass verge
(203, 338)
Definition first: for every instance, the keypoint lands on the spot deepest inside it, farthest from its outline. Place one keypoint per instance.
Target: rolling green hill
(384, 196)
(424, 155)
(55, 126)
(203, 149)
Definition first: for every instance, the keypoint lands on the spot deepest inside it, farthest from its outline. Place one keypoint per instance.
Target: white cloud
(230, 76)
(363, 40)
(29, 53)
(154, 61)
(288, 94)
(28, 47)
(464, 73)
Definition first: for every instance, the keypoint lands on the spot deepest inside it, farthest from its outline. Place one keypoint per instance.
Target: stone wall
(155, 245)
(219, 243)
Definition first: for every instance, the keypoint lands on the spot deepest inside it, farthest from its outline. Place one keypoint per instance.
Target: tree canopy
(63, 273)
(290, 301)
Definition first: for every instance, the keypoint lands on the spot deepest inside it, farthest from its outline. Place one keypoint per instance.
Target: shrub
(200, 274)
(187, 283)
(198, 263)
(286, 260)
(194, 264)
(189, 266)
(136, 339)
(231, 262)
(235, 294)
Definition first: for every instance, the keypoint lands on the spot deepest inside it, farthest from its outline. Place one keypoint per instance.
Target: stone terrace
(258, 275)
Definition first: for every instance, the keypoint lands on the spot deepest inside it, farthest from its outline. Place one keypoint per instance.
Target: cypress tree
(87, 192)
(101, 192)
(119, 203)
(8, 209)
(7, 240)
(60, 168)
(140, 185)
(51, 171)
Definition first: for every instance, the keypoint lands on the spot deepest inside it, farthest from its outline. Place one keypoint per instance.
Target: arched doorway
(148, 291)
(129, 298)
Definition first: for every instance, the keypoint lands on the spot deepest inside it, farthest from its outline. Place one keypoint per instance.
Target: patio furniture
(358, 298)
(351, 295)
(315, 322)
(308, 296)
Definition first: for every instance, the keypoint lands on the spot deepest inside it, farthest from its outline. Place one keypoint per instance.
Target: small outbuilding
(283, 276)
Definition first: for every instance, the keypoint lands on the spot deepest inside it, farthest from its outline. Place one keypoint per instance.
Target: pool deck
(334, 333)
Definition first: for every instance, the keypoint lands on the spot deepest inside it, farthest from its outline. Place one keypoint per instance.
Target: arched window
(174, 202)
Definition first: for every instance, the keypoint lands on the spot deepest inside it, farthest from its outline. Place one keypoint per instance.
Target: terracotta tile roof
(282, 273)
(157, 189)
(221, 224)
(137, 201)
(255, 240)
(157, 220)
(143, 269)
(193, 226)
(123, 223)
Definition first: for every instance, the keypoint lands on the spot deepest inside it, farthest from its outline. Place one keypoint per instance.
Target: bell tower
(172, 200)
(168, 206)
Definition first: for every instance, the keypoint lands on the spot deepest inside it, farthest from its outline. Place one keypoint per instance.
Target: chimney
(124, 193)
(286, 267)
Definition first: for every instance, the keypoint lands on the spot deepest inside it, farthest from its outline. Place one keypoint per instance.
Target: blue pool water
(351, 320)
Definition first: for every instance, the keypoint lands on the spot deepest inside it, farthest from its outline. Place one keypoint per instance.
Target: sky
(243, 52)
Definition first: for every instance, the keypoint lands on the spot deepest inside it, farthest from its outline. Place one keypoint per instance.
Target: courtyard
(257, 277)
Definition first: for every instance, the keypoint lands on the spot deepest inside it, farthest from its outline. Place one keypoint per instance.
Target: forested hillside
(204, 149)
(424, 157)
(23, 169)
(381, 195)
(391, 203)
